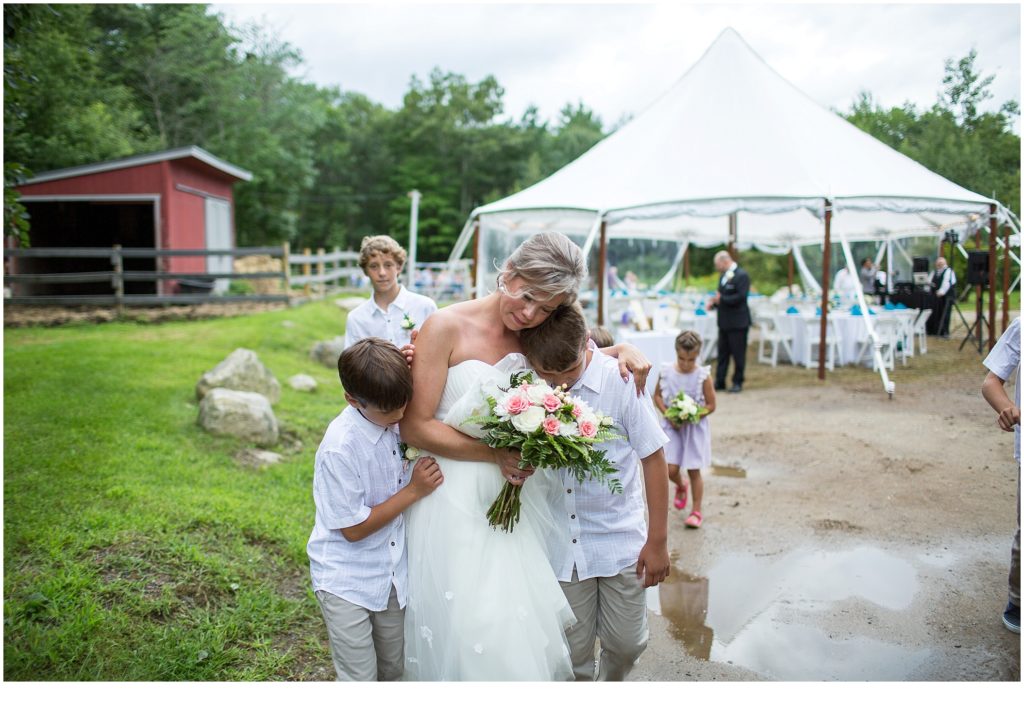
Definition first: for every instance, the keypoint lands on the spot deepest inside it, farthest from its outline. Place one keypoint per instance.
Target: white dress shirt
(357, 467)
(1004, 360)
(368, 319)
(948, 278)
(606, 530)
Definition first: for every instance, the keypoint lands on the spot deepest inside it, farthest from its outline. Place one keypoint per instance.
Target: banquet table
(660, 346)
(851, 330)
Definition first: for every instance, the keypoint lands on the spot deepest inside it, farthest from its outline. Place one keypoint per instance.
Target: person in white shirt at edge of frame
(392, 312)
(612, 557)
(845, 285)
(361, 486)
(1002, 362)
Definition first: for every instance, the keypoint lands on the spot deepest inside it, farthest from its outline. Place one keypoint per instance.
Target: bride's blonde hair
(549, 264)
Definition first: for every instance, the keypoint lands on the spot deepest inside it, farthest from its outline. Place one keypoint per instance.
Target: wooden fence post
(320, 270)
(286, 266)
(306, 270)
(118, 279)
(337, 268)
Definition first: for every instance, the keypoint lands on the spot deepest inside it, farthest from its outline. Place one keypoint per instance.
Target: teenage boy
(612, 556)
(357, 557)
(392, 312)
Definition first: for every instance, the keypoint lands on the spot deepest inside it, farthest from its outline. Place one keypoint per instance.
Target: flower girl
(689, 433)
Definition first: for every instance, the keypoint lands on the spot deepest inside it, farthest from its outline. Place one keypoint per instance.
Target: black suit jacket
(733, 312)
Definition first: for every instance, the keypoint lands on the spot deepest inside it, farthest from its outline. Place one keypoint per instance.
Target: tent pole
(789, 270)
(686, 266)
(602, 277)
(825, 263)
(1006, 278)
(992, 234)
(476, 259)
(732, 237)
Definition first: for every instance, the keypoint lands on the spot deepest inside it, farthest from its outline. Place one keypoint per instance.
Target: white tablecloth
(660, 346)
(851, 328)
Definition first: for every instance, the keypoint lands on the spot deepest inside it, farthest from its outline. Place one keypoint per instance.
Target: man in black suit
(733, 320)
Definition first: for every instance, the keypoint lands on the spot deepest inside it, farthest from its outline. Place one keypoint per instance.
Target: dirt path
(847, 535)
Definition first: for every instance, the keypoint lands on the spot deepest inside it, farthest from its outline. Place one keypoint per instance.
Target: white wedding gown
(484, 605)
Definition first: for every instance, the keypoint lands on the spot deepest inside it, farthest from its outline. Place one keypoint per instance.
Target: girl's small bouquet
(684, 409)
(551, 429)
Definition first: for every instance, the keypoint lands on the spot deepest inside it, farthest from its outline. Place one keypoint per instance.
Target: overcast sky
(619, 58)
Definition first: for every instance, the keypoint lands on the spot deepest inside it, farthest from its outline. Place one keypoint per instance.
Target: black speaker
(920, 264)
(977, 267)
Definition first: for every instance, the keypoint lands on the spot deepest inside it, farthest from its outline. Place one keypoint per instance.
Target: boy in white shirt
(612, 556)
(357, 558)
(392, 312)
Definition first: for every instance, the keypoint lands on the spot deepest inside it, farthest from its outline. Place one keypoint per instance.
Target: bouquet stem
(504, 512)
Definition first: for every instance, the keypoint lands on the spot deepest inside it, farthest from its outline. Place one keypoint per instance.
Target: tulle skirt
(484, 605)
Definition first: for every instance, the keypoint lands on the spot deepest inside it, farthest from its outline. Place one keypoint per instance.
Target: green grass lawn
(136, 547)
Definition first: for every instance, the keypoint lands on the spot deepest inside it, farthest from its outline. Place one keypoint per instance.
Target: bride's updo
(549, 264)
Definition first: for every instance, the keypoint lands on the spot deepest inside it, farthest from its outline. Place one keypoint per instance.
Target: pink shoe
(694, 520)
(682, 493)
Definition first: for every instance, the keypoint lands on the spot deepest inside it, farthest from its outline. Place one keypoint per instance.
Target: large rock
(247, 415)
(349, 303)
(328, 352)
(242, 371)
(302, 383)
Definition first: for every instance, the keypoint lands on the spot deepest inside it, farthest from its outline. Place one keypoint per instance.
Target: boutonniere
(409, 452)
(407, 323)
(729, 275)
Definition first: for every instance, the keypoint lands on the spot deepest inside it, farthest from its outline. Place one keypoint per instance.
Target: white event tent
(731, 153)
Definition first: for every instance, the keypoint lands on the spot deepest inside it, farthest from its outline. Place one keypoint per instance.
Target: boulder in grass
(245, 415)
(328, 352)
(349, 303)
(302, 383)
(242, 371)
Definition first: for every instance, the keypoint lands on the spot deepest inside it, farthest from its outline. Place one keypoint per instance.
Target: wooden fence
(317, 274)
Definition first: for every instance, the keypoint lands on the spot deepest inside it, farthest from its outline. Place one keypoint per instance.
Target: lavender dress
(689, 446)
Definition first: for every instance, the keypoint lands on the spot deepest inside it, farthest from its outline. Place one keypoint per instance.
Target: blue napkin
(900, 305)
(872, 311)
(792, 310)
(855, 310)
(700, 312)
(817, 311)
(889, 306)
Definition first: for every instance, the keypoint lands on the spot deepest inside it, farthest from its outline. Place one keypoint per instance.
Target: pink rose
(577, 412)
(551, 425)
(552, 403)
(588, 429)
(517, 403)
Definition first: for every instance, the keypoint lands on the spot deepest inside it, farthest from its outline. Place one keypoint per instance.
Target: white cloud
(618, 58)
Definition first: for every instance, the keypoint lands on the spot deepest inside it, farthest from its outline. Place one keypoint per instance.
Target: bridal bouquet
(684, 408)
(551, 429)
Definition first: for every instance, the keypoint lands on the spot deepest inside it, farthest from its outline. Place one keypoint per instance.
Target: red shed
(176, 199)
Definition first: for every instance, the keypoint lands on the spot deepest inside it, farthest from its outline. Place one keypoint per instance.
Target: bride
(484, 604)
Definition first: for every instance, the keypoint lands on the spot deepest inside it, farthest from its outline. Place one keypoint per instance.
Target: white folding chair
(889, 335)
(812, 341)
(774, 333)
(918, 330)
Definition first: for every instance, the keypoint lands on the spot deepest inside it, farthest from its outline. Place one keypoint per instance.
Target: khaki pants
(365, 645)
(613, 609)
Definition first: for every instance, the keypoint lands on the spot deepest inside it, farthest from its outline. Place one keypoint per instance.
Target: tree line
(87, 83)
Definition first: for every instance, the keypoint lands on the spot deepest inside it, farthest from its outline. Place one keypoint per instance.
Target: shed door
(218, 236)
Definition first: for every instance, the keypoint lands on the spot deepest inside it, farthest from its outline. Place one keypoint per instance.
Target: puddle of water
(728, 471)
(733, 614)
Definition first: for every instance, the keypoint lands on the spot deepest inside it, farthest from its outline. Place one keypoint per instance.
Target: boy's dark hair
(556, 343)
(688, 341)
(602, 337)
(375, 372)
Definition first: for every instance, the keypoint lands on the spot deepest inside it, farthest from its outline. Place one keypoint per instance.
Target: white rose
(606, 421)
(569, 429)
(530, 420)
(537, 393)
